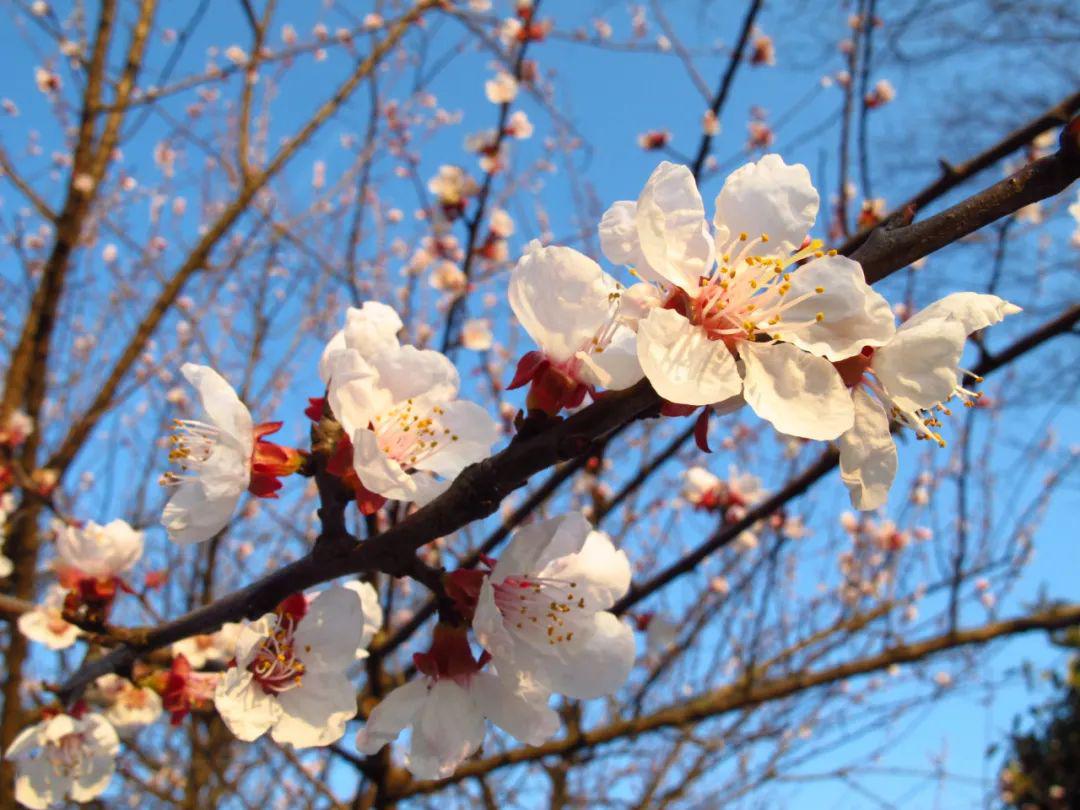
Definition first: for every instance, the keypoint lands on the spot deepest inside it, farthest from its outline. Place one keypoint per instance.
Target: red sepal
(463, 588)
(294, 606)
(701, 430)
(314, 410)
(675, 409)
(450, 655)
(531, 364)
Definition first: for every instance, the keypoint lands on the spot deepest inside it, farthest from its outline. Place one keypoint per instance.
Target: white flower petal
(597, 666)
(800, 394)
(600, 571)
(672, 231)
(38, 785)
(91, 782)
(246, 709)
(682, 364)
(472, 432)
(378, 472)
(192, 516)
(447, 729)
(619, 239)
(334, 345)
(221, 404)
(539, 543)
(868, 457)
(973, 311)
(615, 367)
(372, 328)
(316, 712)
(392, 714)
(767, 197)
(516, 704)
(560, 297)
(408, 372)
(488, 626)
(854, 315)
(328, 636)
(373, 612)
(919, 367)
(356, 398)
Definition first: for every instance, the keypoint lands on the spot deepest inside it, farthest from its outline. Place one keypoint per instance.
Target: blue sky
(612, 96)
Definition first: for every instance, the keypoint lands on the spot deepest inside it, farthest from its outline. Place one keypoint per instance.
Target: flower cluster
(541, 617)
(744, 310)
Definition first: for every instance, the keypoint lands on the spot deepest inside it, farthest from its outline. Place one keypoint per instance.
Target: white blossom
(398, 405)
(447, 704)
(45, 624)
(63, 756)
(289, 676)
(100, 552)
(740, 316)
(543, 610)
(908, 379)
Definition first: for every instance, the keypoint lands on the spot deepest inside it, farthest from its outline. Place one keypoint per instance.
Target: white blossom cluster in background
(742, 310)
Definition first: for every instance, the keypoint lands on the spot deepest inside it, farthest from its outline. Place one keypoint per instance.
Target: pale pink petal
(868, 458)
(672, 230)
(767, 197)
(682, 364)
(800, 394)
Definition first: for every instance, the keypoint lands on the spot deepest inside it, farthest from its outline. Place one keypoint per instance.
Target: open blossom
(737, 314)
(289, 677)
(220, 458)
(98, 552)
(543, 610)
(447, 704)
(570, 308)
(127, 706)
(908, 379)
(398, 406)
(64, 755)
(91, 559)
(45, 623)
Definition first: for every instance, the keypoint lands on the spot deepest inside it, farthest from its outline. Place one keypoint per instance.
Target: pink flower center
(276, 666)
(541, 608)
(66, 754)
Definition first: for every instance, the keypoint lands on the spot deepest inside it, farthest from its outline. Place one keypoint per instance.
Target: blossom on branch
(63, 755)
(908, 379)
(447, 704)
(570, 308)
(45, 623)
(543, 610)
(289, 676)
(90, 560)
(738, 313)
(398, 406)
(221, 458)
